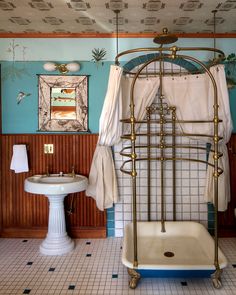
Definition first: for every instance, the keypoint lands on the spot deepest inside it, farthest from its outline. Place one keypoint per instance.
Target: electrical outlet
(48, 148)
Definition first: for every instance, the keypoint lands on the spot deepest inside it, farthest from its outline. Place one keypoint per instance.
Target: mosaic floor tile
(102, 273)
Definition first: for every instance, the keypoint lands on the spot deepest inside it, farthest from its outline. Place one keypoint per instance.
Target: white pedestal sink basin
(56, 187)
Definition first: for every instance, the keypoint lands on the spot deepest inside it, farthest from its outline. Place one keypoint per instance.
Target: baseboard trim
(88, 232)
(40, 233)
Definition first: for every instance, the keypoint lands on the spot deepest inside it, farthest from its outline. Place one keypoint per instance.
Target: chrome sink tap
(61, 174)
(73, 171)
(47, 171)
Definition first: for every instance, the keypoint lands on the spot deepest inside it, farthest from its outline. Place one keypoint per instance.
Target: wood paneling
(227, 220)
(26, 215)
(0, 149)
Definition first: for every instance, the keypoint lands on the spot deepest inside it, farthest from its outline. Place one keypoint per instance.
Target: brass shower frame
(162, 121)
(173, 49)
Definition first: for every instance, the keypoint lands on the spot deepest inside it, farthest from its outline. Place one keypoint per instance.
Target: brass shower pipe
(219, 171)
(174, 163)
(170, 121)
(168, 147)
(154, 74)
(132, 137)
(162, 136)
(173, 50)
(148, 112)
(163, 111)
(128, 136)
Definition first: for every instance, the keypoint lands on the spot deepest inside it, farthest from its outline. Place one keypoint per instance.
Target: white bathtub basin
(190, 244)
(55, 184)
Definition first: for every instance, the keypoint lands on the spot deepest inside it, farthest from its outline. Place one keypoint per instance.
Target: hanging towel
(19, 161)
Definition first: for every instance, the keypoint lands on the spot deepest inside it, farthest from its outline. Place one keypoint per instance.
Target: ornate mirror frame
(63, 103)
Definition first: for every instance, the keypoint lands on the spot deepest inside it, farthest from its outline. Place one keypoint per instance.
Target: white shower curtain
(193, 97)
(102, 184)
(225, 131)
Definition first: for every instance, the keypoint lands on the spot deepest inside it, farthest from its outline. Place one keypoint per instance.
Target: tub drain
(169, 254)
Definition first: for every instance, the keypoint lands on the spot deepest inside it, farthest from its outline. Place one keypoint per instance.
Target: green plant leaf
(98, 54)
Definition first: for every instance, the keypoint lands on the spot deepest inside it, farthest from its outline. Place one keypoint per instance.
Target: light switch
(48, 148)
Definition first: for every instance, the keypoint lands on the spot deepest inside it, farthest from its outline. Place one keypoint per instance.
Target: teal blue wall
(61, 49)
(31, 54)
(23, 117)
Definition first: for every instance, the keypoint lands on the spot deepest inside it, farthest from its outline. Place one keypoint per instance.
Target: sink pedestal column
(57, 241)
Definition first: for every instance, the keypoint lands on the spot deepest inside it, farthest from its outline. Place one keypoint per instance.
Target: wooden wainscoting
(227, 220)
(26, 215)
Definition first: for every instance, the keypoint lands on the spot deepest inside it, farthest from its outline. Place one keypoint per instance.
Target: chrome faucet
(61, 174)
(73, 171)
(47, 171)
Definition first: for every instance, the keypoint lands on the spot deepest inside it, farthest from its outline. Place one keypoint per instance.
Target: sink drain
(169, 254)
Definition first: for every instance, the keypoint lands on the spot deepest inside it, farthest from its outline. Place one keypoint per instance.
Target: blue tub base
(153, 273)
(136, 274)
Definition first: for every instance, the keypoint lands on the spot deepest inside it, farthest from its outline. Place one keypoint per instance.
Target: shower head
(165, 38)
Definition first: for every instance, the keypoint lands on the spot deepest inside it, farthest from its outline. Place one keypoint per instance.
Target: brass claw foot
(216, 280)
(134, 278)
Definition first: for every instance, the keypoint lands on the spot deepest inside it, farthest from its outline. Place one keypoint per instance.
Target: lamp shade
(50, 66)
(73, 67)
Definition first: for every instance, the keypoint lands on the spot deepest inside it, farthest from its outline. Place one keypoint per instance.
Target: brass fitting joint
(133, 156)
(216, 138)
(133, 173)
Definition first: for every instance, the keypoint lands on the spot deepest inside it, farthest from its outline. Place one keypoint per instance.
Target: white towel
(19, 161)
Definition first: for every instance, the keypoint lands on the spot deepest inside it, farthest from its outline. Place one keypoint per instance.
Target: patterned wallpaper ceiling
(97, 16)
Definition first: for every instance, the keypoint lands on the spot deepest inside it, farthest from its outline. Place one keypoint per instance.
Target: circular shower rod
(172, 51)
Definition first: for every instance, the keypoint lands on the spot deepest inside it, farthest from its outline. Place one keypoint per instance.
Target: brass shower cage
(171, 53)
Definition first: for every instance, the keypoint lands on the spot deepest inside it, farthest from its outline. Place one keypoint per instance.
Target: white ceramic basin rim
(55, 184)
(55, 179)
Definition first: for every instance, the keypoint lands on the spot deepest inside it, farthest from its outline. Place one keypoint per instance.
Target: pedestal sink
(56, 187)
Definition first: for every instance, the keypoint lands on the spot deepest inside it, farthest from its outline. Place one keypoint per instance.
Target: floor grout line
(25, 271)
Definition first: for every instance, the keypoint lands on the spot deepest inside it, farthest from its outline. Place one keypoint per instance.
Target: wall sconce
(62, 68)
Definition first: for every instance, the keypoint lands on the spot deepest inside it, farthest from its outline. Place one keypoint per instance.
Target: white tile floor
(94, 267)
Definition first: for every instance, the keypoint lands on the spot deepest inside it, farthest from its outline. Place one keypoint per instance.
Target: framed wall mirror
(63, 103)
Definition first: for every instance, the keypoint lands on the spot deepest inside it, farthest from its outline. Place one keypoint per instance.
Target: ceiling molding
(111, 35)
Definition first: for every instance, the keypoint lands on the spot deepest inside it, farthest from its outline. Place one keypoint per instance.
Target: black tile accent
(88, 255)
(71, 287)
(51, 269)
(88, 243)
(184, 283)
(26, 291)
(29, 263)
(234, 265)
(24, 241)
(121, 247)
(115, 276)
